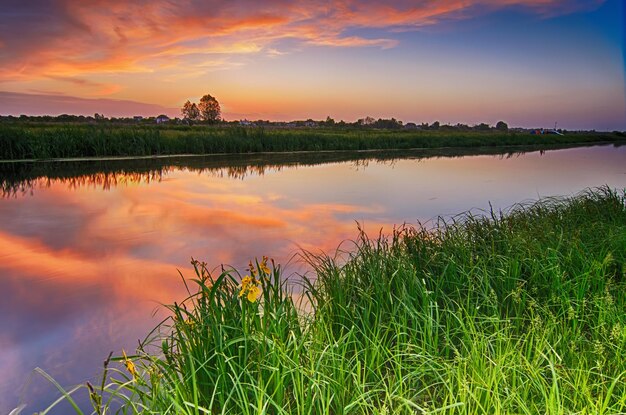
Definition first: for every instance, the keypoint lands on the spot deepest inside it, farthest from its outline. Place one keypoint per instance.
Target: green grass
(32, 141)
(513, 313)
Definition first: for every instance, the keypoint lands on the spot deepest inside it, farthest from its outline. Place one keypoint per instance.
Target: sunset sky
(529, 62)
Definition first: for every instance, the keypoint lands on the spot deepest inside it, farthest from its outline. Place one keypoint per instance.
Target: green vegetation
(519, 313)
(19, 141)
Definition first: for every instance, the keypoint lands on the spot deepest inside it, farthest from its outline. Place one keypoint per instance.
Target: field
(516, 312)
(32, 141)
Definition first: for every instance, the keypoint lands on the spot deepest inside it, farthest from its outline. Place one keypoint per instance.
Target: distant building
(138, 118)
(411, 126)
(546, 131)
(246, 123)
(162, 118)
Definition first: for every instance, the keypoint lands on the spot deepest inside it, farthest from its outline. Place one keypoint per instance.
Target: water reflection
(23, 178)
(89, 250)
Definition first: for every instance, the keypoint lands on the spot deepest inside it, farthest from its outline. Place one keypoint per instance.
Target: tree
(387, 124)
(366, 121)
(190, 111)
(209, 109)
(502, 126)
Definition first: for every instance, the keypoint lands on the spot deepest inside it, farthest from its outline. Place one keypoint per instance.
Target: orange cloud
(97, 88)
(33, 258)
(354, 41)
(75, 38)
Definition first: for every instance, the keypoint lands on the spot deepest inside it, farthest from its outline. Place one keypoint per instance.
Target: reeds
(44, 141)
(517, 312)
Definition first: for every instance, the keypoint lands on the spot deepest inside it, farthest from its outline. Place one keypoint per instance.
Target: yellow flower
(263, 266)
(245, 283)
(253, 293)
(130, 366)
(249, 288)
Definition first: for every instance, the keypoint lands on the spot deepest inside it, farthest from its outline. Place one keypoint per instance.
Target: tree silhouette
(209, 109)
(190, 111)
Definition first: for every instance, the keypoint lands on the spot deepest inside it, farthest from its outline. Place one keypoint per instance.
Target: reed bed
(43, 141)
(516, 312)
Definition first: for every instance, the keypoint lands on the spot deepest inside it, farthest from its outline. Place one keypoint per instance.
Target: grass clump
(518, 312)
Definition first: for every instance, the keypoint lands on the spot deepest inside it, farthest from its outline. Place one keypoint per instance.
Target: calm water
(89, 250)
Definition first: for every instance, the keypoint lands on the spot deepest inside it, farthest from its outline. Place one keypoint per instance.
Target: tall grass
(35, 141)
(518, 312)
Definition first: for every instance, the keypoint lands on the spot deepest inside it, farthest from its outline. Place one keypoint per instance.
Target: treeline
(78, 119)
(165, 121)
(94, 140)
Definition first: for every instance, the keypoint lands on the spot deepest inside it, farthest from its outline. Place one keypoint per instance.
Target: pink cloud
(13, 103)
(73, 39)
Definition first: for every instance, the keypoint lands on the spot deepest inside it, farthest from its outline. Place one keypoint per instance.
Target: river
(89, 250)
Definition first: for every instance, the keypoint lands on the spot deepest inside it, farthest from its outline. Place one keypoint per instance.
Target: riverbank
(40, 142)
(513, 313)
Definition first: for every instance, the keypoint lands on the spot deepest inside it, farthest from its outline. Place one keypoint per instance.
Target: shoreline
(503, 149)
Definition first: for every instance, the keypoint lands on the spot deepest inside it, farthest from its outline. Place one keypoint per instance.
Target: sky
(530, 63)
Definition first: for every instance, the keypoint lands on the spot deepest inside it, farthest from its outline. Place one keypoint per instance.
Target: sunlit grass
(519, 312)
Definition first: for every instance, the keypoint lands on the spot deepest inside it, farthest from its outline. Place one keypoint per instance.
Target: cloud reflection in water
(85, 260)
